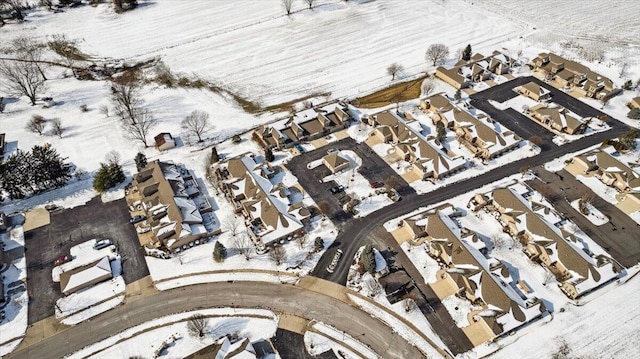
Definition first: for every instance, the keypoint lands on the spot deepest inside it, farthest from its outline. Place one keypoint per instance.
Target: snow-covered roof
(79, 278)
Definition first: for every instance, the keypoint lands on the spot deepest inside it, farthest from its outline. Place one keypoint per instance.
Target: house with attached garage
(607, 167)
(468, 273)
(558, 118)
(534, 91)
(175, 213)
(579, 266)
(482, 135)
(306, 125)
(272, 211)
(425, 159)
(478, 68)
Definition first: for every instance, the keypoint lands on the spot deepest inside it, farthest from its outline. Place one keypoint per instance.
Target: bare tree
(13, 5)
(197, 123)
(125, 95)
(28, 49)
(197, 326)
(409, 305)
(67, 49)
(286, 4)
(427, 87)
(113, 157)
(232, 224)
(278, 254)
(243, 245)
(437, 53)
(22, 78)
(310, 3)
(36, 124)
(548, 277)
(57, 129)
(623, 69)
(394, 69)
(138, 131)
(302, 240)
(536, 140)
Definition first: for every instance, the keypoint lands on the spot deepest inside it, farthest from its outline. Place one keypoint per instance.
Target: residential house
(534, 91)
(425, 159)
(558, 118)
(524, 216)
(483, 136)
(269, 208)
(629, 202)
(85, 276)
(616, 174)
(164, 141)
(568, 74)
(178, 215)
(635, 103)
(305, 125)
(467, 273)
(334, 162)
(479, 68)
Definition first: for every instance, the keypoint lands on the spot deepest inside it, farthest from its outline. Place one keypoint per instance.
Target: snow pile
(594, 216)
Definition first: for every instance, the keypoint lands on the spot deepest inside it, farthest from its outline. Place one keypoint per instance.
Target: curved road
(277, 297)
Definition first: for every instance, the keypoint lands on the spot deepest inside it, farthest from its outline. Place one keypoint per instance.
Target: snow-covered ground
(358, 187)
(144, 339)
(322, 337)
(595, 216)
(14, 326)
(459, 309)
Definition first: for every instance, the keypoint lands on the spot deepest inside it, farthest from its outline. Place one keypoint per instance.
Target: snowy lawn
(322, 337)
(595, 216)
(90, 297)
(602, 190)
(459, 309)
(426, 265)
(14, 326)
(144, 339)
(358, 187)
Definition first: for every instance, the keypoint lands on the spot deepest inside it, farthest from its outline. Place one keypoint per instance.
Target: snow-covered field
(322, 337)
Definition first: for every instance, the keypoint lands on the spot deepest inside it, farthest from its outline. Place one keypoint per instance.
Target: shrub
(318, 244)
(268, 155)
(236, 139)
(634, 114)
(108, 176)
(368, 259)
(219, 252)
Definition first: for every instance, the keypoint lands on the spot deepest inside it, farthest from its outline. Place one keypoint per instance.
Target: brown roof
(334, 160)
(161, 138)
(609, 163)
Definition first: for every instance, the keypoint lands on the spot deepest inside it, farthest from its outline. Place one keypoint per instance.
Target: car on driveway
(137, 218)
(300, 148)
(62, 260)
(376, 184)
(334, 262)
(394, 195)
(331, 150)
(336, 189)
(103, 243)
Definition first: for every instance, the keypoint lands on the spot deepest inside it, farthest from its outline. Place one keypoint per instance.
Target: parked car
(62, 260)
(331, 150)
(376, 184)
(142, 230)
(137, 218)
(103, 243)
(336, 189)
(334, 262)
(300, 148)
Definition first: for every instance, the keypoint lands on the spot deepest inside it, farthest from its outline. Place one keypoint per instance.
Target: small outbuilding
(164, 141)
(335, 163)
(82, 277)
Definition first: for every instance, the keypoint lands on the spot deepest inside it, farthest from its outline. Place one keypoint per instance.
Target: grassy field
(397, 93)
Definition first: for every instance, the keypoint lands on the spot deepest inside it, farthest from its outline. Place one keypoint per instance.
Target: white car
(334, 261)
(103, 243)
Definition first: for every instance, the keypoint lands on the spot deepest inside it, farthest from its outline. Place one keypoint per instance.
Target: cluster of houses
(466, 272)
(571, 75)
(272, 211)
(483, 136)
(524, 215)
(425, 159)
(174, 214)
(479, 68)
(306, 125)
(549, 114)
(612, 172)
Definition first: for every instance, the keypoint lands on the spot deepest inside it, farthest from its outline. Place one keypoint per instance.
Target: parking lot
(373, 168)
(70, 227)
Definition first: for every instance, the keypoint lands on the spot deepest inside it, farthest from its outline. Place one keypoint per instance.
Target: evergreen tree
(368, 259)
(466, 54)
(634, 114)
(108, 176)
(318, 244)
(219, 252)
(458, 95)
(441, 132)
(268, 155)
(141, 161)
(627, 85)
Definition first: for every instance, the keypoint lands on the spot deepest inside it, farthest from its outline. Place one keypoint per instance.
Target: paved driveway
(68, 228)
(620, 237)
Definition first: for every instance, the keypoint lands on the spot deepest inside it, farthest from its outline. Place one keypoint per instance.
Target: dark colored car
(376, 184)
(62, 260)
(336, 189)
(137, 218)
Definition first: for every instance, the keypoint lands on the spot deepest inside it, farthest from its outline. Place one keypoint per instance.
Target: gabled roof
(335, 160)
(610, 164)
(84, 276)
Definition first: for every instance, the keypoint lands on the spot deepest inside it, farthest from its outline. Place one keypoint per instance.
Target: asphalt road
(290, 345)
(620, 237)
(68, 228)
(276, 297)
